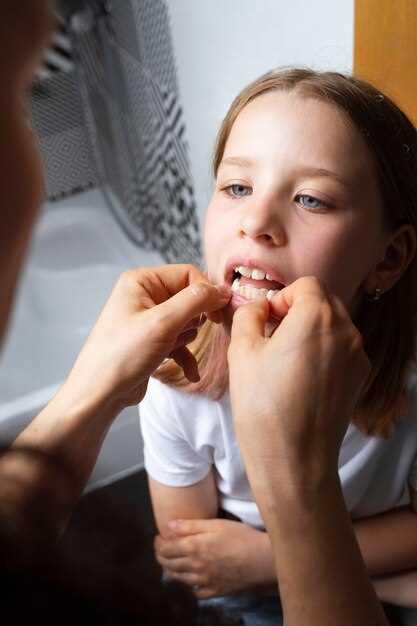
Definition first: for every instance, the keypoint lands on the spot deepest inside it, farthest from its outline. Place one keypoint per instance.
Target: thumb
(197, 298)
(249, 321)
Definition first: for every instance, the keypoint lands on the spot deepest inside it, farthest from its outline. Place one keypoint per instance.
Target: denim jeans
(252, 610)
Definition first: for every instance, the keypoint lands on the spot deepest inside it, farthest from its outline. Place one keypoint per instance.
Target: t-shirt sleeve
(169, 455)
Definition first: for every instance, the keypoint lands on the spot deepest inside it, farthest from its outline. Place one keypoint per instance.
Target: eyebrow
(241, 161)
(310, 171)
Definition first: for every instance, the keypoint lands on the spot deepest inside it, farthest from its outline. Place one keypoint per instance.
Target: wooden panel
(385, 50)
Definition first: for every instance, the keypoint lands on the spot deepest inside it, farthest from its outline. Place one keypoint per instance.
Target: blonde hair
(388, 326)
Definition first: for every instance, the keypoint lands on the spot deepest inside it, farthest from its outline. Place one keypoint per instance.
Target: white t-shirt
(187, 435)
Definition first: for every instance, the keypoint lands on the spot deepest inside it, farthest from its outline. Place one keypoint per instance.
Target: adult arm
(322, 576)
(309, 376)
(151, 314)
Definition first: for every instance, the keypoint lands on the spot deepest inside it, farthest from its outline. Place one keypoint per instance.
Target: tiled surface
(58, 118)
(116, 121)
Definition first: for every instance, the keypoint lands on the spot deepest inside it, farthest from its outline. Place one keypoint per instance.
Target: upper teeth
(249, 291)
(254, 273)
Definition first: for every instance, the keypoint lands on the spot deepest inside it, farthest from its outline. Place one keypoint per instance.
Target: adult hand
(216, 557)
(309, 375)
(151, 314)
(294, 393)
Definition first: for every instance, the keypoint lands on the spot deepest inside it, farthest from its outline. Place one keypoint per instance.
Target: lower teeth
(251, 293)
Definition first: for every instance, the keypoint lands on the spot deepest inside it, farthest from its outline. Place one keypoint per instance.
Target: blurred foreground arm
(151, 314)
(309, 376)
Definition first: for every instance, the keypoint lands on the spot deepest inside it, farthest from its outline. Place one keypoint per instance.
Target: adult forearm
(322, 576)
(378, 538)
(65, 440)
(140, 325)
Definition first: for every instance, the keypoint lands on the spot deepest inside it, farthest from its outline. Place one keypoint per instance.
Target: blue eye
(311, 203)
(238, 191)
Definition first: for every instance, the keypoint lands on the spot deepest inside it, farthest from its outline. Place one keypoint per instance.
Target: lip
(237, 300)
(251, 263)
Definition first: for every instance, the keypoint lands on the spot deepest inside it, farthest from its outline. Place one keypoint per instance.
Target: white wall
(221, 45)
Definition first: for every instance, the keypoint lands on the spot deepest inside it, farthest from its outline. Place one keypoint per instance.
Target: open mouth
(251, 283)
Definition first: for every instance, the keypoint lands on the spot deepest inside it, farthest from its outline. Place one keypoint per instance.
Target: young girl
(316, 174)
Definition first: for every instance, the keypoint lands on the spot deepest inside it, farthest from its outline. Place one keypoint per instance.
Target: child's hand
(400, 589)
(293, 394)
(151, 314)
(217, 557)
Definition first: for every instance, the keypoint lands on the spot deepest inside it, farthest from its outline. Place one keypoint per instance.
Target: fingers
(216, 316)
(181, 292)
(307, 287)
(167, 281)
(175, 566)
(249, 320)
(332, 312)
(196, 322)
(197, 582)
(193, 300)
(186, 337)
(187, 361)
(183, 357)
(204, 593)
(172, 548)
(189, 578)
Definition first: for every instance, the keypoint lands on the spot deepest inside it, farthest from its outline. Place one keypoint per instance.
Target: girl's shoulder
(169, 393)
(163, 398)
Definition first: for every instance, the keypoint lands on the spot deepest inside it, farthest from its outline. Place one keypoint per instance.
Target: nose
(261, 221)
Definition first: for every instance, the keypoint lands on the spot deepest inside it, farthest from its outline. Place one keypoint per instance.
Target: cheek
(339, 256)
(355, 254)
(215, 235)
(208, 229)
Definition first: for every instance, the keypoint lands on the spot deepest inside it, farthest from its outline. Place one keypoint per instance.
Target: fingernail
(224, 290)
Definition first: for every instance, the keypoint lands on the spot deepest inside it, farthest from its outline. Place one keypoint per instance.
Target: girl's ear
(399, 252)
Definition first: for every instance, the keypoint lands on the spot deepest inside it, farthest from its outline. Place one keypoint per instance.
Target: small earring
(377, 295)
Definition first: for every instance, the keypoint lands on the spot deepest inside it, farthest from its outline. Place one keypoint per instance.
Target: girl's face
(295, 195)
